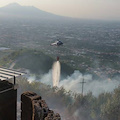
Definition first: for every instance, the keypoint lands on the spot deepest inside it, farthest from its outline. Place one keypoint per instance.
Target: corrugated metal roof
(6, 74)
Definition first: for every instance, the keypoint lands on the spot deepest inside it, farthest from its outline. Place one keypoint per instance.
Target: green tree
(111, 109)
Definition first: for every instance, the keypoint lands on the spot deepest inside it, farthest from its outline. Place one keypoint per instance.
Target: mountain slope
(17, 11)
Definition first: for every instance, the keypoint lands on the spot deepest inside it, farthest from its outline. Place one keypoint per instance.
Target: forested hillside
(74, 106)
(35, 61)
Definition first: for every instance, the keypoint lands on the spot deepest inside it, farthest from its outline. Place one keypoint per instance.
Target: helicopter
(57, 43)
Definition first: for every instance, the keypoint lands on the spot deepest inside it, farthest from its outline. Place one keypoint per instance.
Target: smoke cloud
(73, 83)
(31, 78)
(47, 78)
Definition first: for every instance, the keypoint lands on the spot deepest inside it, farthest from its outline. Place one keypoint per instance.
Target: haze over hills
(15, 10)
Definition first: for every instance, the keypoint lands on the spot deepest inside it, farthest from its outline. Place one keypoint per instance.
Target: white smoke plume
(47, 78)
(73, 83)
(31, 78)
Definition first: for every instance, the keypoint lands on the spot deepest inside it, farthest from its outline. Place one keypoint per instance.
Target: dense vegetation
(76, 106)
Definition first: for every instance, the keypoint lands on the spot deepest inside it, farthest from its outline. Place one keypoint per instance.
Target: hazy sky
(93, 9)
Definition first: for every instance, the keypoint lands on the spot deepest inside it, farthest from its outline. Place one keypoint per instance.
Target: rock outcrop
(33, 107)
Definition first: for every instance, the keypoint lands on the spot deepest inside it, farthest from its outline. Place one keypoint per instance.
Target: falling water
(56, 73)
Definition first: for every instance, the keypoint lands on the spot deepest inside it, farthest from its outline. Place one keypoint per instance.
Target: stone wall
(33, 107)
